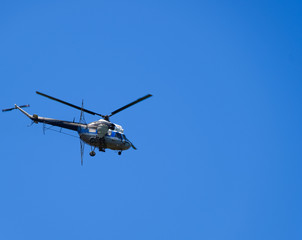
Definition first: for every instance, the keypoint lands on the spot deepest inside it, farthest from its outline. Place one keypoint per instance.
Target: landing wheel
(92, 153)
(119, 153)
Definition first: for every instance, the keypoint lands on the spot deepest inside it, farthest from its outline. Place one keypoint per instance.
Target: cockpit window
(118, 135)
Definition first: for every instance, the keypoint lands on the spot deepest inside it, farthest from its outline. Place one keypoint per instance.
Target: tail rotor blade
(9, 109)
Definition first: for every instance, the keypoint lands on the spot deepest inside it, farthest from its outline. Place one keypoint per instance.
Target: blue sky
(219, 145)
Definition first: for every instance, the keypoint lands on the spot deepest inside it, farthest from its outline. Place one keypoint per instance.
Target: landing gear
(92, 153)
(119, 153)
(102, 149)
(102, 144)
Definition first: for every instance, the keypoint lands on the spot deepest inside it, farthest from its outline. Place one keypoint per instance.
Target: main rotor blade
(69, 104)
(130, 104)
(82, 144)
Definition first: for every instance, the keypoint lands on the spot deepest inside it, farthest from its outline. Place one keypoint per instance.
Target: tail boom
(54, 122)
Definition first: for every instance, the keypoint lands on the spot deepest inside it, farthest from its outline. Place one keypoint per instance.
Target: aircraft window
(118, 135)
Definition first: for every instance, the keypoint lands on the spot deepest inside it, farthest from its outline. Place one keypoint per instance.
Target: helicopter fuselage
(113, 140)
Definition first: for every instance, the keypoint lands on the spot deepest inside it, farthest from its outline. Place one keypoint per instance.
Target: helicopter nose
(127, 144)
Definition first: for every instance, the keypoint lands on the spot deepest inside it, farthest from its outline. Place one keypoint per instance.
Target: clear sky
(219, 144)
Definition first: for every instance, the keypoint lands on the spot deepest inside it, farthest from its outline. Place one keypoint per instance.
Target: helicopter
(102, 134)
